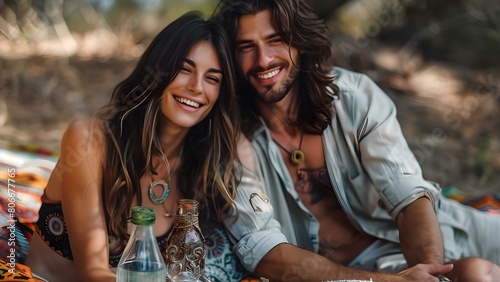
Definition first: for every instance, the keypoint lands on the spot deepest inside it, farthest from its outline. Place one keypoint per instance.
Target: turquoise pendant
(163, 197)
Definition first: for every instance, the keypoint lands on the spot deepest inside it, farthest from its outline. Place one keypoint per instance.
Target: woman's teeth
(188, 102)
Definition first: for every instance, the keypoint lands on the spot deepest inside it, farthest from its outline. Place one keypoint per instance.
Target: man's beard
(275, 95)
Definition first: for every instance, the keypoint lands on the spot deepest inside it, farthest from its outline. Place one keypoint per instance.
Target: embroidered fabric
(221, 263)
(51, 226)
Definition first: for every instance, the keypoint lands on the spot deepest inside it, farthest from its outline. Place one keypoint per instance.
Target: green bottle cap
(143, 215)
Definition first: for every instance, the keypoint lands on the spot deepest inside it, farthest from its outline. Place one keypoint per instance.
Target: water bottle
(185, 245)
(141, 260)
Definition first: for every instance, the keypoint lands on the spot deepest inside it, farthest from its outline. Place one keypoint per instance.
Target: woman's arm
(80, 171)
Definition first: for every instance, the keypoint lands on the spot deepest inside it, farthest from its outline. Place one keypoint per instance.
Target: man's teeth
(188, 102)
(268, 75)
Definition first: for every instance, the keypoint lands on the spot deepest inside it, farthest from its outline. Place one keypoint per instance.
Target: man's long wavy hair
(132, 120)
(300, 27)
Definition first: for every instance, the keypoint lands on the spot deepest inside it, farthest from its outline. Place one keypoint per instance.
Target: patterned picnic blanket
(489, 203)
(23, 177)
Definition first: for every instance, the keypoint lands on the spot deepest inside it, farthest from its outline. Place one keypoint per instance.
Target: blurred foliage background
(438, 60)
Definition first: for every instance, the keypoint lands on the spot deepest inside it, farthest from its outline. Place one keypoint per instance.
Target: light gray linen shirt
(372, 171)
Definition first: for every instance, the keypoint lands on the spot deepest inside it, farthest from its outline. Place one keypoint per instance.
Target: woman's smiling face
(190, 97)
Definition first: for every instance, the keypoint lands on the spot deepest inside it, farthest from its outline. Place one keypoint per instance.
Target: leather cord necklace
(296, 156)
(163, 183)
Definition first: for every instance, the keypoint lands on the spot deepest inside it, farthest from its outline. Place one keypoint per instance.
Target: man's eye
(275, 40)
(245, 47)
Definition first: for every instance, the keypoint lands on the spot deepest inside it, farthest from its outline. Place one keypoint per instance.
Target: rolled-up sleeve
(251, 225)
(385, 154)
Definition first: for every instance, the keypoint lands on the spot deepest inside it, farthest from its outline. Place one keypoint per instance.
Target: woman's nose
(195, 84)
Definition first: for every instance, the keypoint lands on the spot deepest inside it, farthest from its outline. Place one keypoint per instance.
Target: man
(339, 178)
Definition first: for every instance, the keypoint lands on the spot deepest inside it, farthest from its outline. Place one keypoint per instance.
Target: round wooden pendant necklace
(296, 156)
(164, 184)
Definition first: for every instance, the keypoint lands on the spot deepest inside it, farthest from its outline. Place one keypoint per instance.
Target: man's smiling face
(267, 63)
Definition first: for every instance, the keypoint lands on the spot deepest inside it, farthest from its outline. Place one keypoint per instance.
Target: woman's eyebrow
(193, 64)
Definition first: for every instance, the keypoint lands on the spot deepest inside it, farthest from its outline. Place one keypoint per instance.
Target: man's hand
(425, 272)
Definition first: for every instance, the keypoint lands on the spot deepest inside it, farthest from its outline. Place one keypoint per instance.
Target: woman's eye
(186, 69)
(214, 79)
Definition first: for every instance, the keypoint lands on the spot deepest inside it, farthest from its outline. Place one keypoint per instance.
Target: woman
(169, 132)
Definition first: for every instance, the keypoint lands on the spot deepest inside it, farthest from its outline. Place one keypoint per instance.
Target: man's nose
(264, 56)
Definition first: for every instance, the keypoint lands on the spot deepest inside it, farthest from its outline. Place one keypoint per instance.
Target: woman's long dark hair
(132, 121)
(300, 27)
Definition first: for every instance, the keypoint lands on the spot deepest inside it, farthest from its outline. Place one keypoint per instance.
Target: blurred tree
(465, 32)
(326, 9)
(36, 19)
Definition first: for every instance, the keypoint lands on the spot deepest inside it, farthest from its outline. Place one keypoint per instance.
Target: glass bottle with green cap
(142, 260)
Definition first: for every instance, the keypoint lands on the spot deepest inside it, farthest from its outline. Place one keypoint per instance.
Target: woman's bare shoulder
(85, 127)
(85, 131)
(82, 147)
(85, 138)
